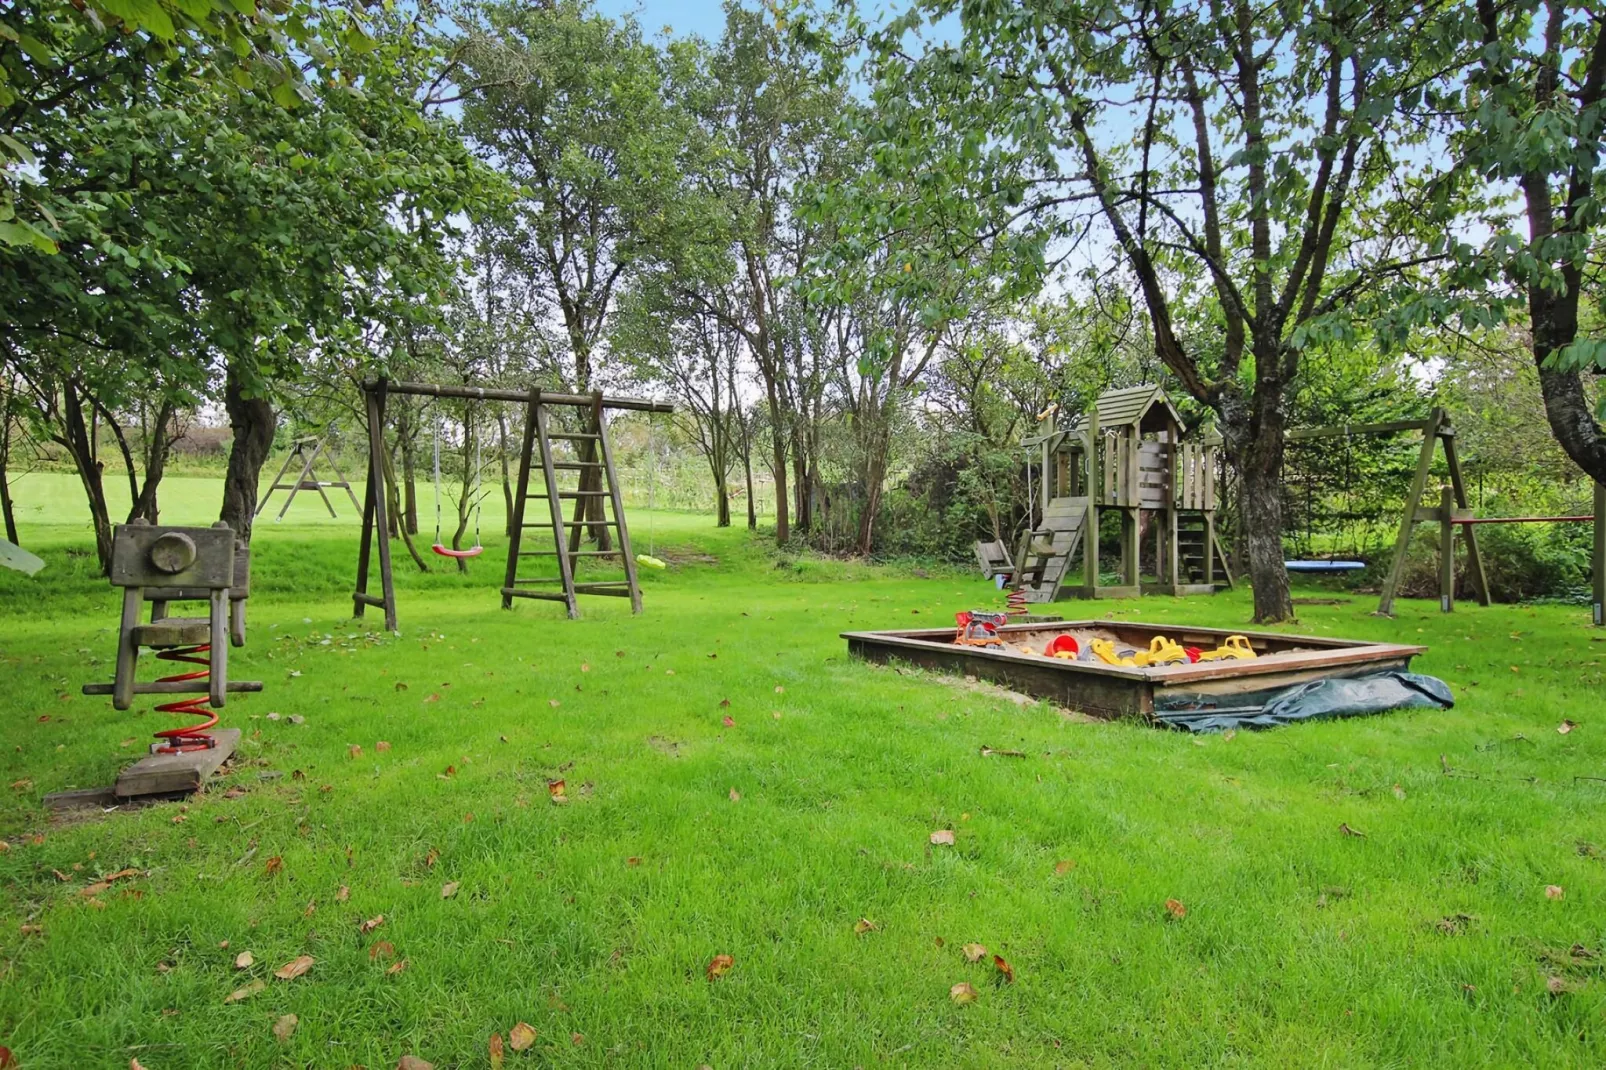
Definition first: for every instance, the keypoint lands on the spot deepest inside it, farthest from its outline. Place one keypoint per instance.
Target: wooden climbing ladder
(595, 479)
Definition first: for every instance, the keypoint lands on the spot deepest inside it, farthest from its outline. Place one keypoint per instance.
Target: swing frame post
(376, 525)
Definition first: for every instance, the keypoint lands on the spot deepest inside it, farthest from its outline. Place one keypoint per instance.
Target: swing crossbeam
(488, 393)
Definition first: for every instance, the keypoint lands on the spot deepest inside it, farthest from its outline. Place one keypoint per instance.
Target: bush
(1523, 562)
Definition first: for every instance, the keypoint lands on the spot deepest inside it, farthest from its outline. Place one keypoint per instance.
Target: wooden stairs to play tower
(1194, 543)
(1047, 552)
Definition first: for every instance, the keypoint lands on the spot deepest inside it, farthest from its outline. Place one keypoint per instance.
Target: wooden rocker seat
(173, 631)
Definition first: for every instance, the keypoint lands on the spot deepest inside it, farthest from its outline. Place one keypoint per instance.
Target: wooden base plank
(163, 774)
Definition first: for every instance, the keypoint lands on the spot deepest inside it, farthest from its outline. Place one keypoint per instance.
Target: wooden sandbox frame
(1112, 691)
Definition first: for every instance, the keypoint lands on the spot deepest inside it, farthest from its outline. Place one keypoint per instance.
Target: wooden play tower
(1126, 454)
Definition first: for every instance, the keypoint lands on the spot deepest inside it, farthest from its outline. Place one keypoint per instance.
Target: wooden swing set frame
(1454, 510)
(595, 465)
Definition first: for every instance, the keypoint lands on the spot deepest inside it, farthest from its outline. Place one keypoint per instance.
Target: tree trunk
(157, 448)
(393, 507)
(507, 481)
(783, 530)
(407, 441)
(78, 438)
(747, 474)
(6, 508)
(1255, 439)
(252, 420)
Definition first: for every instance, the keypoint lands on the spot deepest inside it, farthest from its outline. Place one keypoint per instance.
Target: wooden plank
(532, 401)
(1480, 578)
(632, 585)
(1446, 550)
(479, 393)
(1413, 500)
(1598, 558)
(166, 774)
(1344, 430)
(376, 452)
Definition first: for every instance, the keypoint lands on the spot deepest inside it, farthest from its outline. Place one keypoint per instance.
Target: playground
(496, 818)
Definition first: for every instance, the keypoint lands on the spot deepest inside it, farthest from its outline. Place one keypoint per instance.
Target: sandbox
(1282, 661)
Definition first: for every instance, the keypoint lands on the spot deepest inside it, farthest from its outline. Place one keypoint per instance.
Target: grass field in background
(1430, 939)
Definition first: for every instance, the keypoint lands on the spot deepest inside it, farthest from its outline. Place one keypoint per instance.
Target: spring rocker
(162, 565)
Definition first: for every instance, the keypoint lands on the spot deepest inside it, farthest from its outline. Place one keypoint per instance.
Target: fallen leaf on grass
(719, 965)
(779, 689)
(1553, 891)
(963, 992)
(135, 1064)
(521, 1036)
(974, 952)
(354, 751)
(413, 1062)
(285, 1028)
(434, 696)
(95, 889)
(245, 993)
(382, 949)
(554, 703)
(294, 968)
(1004, 968)
(244, 961)
(943, 837)
(343, 895)
(449, 889)
(1175, 908)
(382, 745)
(273, 866)
(728, 721)
(988, 752)
(400, 686)
(497, 1054)
(1063, 866)
(312, 908)
(1399, 793)
(585, 666)
(736, 796)
(371, 924)
(1566, 726)
(1557, 985)
(396, 968)
(633, 860)
(865, 925)
(1346, 830)
(724, 703)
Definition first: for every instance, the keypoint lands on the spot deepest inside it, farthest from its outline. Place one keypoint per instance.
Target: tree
(1532, 113)
(1248, 163)
(571, 105)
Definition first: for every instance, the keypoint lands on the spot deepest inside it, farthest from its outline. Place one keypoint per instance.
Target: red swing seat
(446, 551)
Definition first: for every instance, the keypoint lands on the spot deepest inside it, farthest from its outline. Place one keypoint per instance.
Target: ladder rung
(549, 596)
(567, 494)
(575, 466)
(572, 434)
(579, 524)
(576, 553)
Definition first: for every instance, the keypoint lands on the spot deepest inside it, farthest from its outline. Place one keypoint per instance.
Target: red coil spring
(189, 737)
(1015, 601)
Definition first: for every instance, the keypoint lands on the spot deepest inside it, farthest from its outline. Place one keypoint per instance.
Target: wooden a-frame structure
(592, 462)
(307, 451)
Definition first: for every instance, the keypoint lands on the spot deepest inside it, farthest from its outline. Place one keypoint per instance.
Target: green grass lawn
(1429, 940)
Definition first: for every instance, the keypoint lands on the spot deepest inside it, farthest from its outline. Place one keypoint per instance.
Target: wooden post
(376, 487)
(1095, 488)
(1480, 578)
(1419, 483)
(618, 506)
(517, 541)
(1446, 550)
(1600, 555)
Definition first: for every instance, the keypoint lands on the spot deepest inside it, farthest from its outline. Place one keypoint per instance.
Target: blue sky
(706, 18)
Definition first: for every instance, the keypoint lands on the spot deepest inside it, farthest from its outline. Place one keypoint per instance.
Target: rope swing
(647, 558)
(440, 547)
